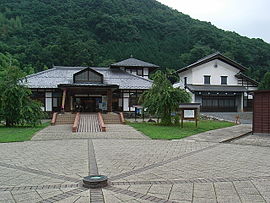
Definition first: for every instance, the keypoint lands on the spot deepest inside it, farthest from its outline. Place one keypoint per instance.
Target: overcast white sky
(249, 18)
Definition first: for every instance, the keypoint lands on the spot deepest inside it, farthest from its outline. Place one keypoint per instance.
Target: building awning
(216, 88)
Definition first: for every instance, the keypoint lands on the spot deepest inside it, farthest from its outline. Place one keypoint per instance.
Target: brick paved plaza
(139, 170)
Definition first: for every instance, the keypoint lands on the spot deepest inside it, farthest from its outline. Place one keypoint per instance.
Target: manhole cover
(95, 181)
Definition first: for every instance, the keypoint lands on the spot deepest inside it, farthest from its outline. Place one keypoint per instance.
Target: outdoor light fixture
(216, 65)
(95, 181)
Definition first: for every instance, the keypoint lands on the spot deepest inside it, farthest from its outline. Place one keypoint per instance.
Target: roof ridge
(211, 57)
(147, 64)
(77, 67)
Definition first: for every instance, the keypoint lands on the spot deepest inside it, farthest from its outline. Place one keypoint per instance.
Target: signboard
(189, 113)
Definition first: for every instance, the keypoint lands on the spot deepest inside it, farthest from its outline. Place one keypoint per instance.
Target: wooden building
(92, 89)
(261, 112)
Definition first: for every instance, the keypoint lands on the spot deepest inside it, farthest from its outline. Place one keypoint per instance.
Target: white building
(218, 83)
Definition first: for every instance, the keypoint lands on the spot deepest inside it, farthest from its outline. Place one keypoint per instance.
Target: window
(185, 81)
(207, 79)
(140, 72)
(88, 75)
(224, 80)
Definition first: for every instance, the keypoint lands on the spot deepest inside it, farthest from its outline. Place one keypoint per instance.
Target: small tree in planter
(163, 99)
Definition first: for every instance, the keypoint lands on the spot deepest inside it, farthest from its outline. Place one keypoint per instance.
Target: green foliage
(83, 32)
(176, 120)
(155, 131)
(19, 133)
(16, 106)
(162, 99)
(197, 52)
(265, 83)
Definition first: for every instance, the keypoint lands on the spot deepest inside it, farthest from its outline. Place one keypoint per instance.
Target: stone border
(96, 195)
(197, 180)
(40, 187)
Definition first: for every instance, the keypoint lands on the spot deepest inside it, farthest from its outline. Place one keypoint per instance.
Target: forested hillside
(40, 33)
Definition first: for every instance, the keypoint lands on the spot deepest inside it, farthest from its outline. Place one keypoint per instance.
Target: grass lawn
(18, 134)
(155, 131)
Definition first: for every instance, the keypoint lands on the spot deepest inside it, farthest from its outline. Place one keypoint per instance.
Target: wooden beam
(109, 100)
(64, 100)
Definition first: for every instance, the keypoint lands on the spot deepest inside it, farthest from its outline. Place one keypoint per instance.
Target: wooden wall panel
(261, 112)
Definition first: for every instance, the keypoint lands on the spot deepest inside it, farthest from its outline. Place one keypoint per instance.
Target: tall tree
(162, 99)
(16, 106)
(265, 83)
(84, 32)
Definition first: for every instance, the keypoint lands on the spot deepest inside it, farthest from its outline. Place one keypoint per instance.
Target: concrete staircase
(66, 118)
(111, 118)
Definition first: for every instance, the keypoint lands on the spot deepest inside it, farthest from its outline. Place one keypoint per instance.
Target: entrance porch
(87, 98)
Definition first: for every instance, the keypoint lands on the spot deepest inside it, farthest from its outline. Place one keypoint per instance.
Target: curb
(235, 138)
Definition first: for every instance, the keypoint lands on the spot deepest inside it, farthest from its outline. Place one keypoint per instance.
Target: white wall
(146, 72)
(195, 75)
(126, 102)
(48, 101)
(182, 75)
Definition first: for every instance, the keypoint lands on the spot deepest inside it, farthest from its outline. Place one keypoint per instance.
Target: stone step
(66, 118)
(89, 123)
(111, 118)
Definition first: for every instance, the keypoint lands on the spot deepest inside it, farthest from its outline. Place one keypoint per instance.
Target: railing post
(76, 123)
(101, 123)
(122, 118)
(54, 118)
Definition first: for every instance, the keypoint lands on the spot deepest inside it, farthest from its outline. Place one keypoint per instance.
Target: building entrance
(87, 104)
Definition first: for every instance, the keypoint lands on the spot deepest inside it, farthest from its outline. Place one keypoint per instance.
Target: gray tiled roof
(216, 88)
(211, 57)
(242, 75)
(132, 62)
(64, 75)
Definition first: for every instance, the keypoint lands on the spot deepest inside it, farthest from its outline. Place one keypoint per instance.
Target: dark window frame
(222, 81)
(88, 70)
(207, 79)
(137, 69)
(185, 81)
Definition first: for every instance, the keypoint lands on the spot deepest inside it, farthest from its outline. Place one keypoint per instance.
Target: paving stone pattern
(114, 131)
(255, 139)
(139, 170)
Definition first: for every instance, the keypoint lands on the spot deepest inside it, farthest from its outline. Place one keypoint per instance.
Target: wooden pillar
(109, 100)
(63, 100)
(182, 118)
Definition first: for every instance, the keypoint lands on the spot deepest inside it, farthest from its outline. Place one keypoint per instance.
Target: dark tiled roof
(64, 75)
(132, 62)
(216, 88)
(243, 76)
(212, 57)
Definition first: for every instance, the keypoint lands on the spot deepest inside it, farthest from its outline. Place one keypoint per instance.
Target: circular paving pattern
(138, 170)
